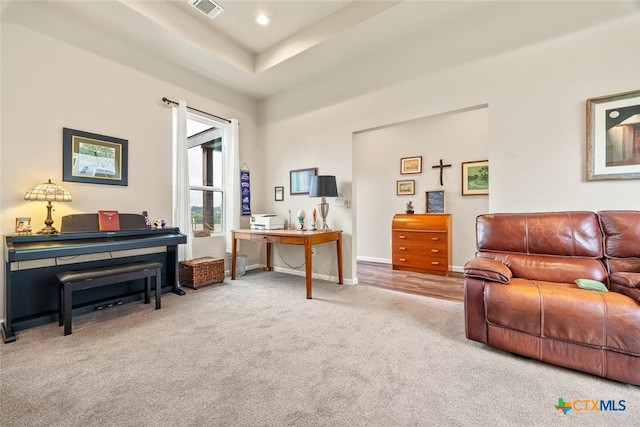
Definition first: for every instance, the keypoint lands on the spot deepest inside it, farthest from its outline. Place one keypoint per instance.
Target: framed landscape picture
(92, 158)
(406, 187)
(409, 165)
(613, 137)
(475, 178)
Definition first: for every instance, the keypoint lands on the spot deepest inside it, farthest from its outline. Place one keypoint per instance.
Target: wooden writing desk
(289, 237)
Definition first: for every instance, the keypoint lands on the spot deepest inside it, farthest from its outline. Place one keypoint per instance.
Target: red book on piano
(108, 220)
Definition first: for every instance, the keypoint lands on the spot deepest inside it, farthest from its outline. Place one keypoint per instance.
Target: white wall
(48, 84)
(455, 138)
(536, 98)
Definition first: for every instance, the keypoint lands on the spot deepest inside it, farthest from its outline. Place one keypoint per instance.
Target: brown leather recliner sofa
(520, 292)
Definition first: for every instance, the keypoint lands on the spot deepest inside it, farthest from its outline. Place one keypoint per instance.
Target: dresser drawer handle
(435, 238)
(435, 250)
(402, 259)
(434, 263)
(402, 237)
(402, 248)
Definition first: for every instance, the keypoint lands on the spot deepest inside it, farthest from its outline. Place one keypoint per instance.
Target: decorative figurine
(409, 207)
(312, 227)
(290, 224)
(301, 215)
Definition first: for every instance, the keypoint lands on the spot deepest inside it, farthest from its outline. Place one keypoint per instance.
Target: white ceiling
(306, 39)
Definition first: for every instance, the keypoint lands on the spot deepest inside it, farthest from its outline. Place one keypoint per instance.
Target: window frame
(213, 188)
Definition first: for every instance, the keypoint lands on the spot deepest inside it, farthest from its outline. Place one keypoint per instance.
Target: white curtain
(231, 149)
(181, 193)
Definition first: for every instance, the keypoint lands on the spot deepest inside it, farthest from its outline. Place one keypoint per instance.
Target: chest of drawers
(421, 243)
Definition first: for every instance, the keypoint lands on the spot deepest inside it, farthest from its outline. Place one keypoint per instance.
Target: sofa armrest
(626, 283)
(626, 279)
(488, 269)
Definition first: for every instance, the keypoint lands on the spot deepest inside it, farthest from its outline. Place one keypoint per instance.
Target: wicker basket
(201, 271)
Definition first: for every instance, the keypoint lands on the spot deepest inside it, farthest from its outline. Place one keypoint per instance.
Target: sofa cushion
(621, 233)
(550, 268)
(621, 236)
(570, 234)
(565, 312)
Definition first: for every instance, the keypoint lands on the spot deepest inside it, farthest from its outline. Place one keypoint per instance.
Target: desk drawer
(266, 238)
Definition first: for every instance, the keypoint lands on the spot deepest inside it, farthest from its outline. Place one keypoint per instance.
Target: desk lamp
(48, 192)
(323, 186)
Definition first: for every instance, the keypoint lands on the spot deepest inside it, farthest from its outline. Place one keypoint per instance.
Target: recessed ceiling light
(262, 19)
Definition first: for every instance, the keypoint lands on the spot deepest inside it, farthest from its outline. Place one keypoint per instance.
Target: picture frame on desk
(612, 137)
(23, 225)
(94, 159)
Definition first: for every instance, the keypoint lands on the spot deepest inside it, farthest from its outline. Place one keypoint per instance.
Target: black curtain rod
(168, 101)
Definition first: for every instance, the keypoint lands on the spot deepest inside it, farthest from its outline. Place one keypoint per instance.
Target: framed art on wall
(409, 165)
(279, 194)
(613, 137)
(406, 187)
(300, 180)
(92, 158)
(475, 178)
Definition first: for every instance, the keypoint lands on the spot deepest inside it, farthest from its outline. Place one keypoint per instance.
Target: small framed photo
(435, 201)
(475, 178)
(23, 225)
(279, 194)
(406, 187)
(409, 165)
(613, 137)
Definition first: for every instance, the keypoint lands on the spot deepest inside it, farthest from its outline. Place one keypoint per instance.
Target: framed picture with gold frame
(406, 187)
(410, 165)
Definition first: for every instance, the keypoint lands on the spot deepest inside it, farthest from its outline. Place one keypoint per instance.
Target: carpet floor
(255, 352)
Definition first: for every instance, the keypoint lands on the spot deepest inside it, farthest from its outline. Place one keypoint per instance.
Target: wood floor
(383, 276)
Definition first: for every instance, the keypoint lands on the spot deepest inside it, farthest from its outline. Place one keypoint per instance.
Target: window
(206, 172)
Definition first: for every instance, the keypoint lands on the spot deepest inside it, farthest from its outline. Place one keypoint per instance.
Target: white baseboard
(454, 268)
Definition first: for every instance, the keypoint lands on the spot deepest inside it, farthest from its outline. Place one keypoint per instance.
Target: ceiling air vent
(207, 7)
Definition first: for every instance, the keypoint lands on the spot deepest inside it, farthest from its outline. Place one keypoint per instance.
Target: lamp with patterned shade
(323, 186)
(48, 192)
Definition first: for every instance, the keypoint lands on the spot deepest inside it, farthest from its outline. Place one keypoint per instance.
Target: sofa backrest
(621, 240)
(549, 246)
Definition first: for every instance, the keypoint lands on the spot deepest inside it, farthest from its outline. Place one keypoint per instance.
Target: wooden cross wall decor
(441, 166)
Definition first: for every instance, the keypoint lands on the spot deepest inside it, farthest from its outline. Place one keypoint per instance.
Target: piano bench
(78, 280)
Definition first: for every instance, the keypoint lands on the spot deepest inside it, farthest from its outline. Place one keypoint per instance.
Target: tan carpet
(255, 352)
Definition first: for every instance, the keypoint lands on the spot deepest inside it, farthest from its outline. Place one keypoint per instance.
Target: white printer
(267, 222)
